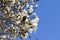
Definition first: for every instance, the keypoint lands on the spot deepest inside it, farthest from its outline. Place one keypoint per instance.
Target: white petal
(30, 10)
(30, 30)
(35, 20)
(17, 22)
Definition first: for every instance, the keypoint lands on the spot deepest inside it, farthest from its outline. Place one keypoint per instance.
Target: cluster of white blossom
(17, 18)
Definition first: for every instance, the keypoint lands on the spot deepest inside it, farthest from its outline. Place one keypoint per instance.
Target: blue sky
(49, 23)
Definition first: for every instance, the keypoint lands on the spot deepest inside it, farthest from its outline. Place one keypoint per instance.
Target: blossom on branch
(17, 18)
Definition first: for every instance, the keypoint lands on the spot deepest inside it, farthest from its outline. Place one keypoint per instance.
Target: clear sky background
(49, 23)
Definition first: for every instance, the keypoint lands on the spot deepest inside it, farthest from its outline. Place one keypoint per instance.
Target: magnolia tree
(17, 18)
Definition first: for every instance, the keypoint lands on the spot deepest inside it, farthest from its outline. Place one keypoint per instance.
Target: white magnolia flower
(35, 20)
(27, 5)
(30, 9)
(15, 19)
(24, 13)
